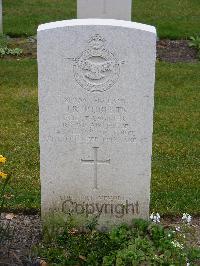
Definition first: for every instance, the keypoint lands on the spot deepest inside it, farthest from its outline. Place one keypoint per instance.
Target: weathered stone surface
(96, 91)
(114, 9)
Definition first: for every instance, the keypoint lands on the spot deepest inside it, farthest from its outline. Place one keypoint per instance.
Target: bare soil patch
(176, 51)
(26, 232)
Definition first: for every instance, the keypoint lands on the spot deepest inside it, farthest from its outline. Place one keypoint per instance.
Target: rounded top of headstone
(96, 22)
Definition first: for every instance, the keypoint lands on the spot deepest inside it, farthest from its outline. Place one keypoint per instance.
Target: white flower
(178, 229)
(155, 217)
(176, 244)
(188, 264)
(187, 218)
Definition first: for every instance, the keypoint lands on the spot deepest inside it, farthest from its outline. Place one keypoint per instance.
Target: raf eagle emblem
(96, 69)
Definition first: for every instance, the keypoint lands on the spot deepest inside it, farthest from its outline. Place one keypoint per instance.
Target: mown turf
(19, 130)
(176, 151)
(176, 166)
(173, 18)
(22, 17)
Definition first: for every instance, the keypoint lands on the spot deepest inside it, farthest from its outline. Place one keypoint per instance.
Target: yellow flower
(3, 175)
(2, 159)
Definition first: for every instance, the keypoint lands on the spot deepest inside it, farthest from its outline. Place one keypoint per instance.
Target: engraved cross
(95, 162)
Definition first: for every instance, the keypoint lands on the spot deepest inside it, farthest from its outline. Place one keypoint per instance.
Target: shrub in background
(5, 50)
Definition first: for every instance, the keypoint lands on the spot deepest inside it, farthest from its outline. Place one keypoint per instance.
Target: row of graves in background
(95, 8)
(96, 97)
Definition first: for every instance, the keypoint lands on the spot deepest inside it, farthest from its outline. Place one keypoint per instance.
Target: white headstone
(1, 17)
(114, 9)
(96, 94)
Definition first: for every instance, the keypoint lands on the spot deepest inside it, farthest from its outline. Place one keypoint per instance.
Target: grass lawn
(173, 18)
(176, 150)
(19, 130)
(175, 170)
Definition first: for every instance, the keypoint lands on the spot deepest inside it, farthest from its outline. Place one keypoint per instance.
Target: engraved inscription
(97, 121)
(96, 69)
(95, 162)
(94, 121)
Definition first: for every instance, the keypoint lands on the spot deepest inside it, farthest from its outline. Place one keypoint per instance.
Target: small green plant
(9, 51)
(141, 243)
(195, 42)
(5, 50)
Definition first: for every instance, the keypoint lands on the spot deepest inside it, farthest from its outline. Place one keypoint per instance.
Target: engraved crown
(96, 41)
